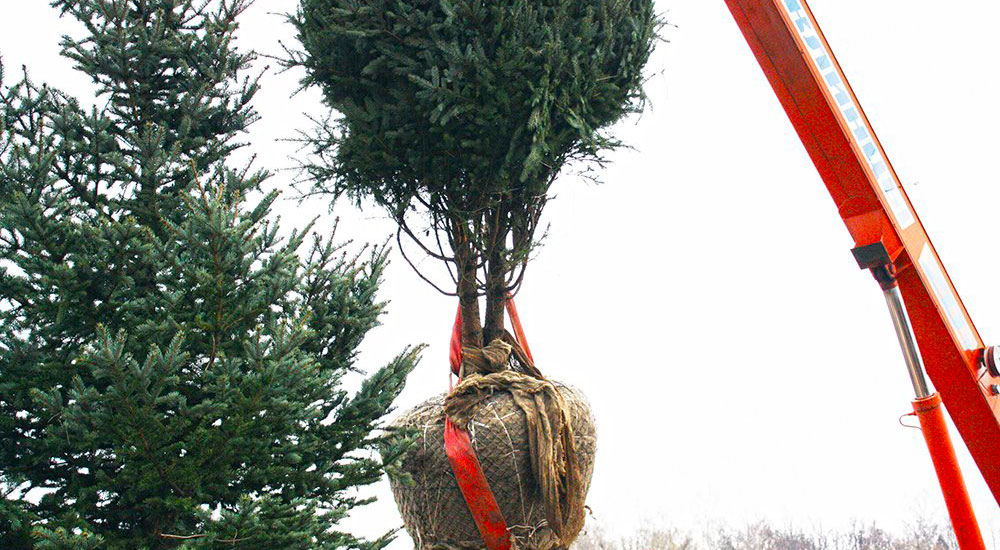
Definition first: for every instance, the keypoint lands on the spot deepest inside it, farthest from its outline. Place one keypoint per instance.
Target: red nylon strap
(464, 463)
(476, 490)
(455, 347)
(515, 321)
(468, 471)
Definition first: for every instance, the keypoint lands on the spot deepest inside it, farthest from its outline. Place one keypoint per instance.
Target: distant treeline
(921, 535)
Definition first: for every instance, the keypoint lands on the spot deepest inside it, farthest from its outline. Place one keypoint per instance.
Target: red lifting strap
(468, 471)
(515, 321)
(476, 490)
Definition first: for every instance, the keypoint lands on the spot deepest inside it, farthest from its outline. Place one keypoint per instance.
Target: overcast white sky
(739, 364)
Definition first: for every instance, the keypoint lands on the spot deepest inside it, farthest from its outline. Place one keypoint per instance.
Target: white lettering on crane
(851, 113)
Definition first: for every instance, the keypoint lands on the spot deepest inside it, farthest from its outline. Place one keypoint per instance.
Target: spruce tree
(171, 366)
(456, 116)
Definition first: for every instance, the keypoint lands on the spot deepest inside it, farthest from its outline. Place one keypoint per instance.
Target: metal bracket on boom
(875, 257)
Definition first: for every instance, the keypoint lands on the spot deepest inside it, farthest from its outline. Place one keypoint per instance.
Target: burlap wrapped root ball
(433, 508)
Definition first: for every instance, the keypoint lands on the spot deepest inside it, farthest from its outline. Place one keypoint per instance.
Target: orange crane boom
(889, 238)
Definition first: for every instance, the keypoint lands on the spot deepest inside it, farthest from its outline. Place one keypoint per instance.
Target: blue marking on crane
(850, 111)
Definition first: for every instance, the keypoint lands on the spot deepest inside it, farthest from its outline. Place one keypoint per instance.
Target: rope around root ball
(550, 433)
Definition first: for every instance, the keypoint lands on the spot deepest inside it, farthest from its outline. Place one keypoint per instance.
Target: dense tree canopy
(457, 116)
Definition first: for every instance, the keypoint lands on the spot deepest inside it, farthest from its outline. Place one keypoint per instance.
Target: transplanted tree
(170, 368)
(457, 116)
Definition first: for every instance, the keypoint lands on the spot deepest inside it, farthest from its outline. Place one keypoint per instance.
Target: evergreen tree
(457, 116)
(170, 367)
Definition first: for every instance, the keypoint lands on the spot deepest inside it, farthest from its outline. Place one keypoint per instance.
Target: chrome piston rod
(907, 341)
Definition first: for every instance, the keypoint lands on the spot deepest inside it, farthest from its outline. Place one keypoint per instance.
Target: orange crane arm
(814, 92)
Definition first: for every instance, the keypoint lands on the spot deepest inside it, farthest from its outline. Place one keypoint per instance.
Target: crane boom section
(812, 88)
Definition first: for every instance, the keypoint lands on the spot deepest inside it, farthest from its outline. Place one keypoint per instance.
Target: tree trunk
(468, 299)
(468, 289)
(495, 297)
(496, 273)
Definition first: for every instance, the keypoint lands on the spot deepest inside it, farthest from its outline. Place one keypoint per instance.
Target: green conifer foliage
(170, 367)
(463, 112)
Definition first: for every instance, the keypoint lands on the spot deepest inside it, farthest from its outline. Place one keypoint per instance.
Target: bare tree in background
(921, 535)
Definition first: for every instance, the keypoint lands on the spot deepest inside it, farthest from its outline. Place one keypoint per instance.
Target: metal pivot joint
(876, 258)
(990, 360)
